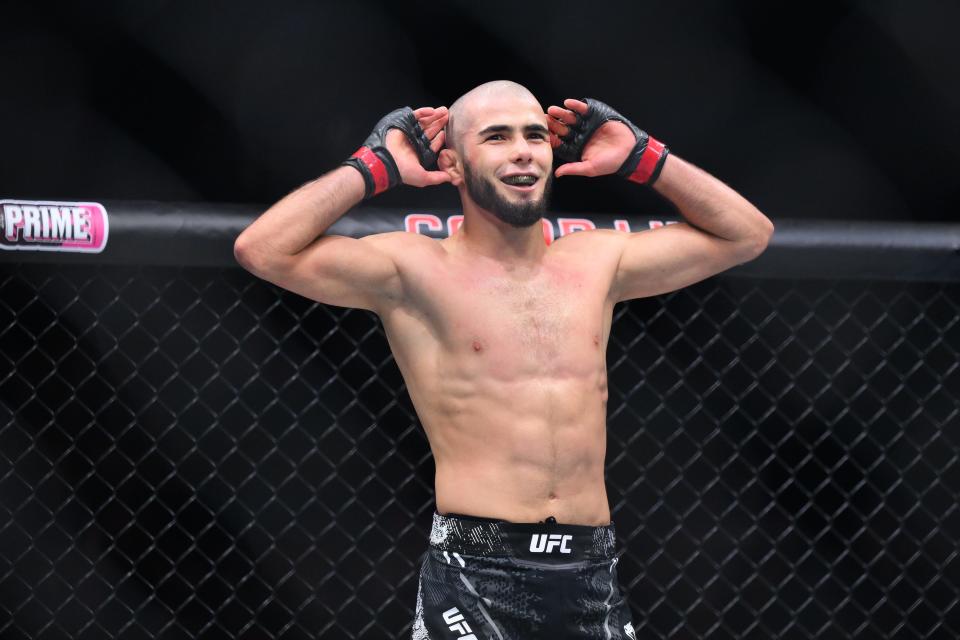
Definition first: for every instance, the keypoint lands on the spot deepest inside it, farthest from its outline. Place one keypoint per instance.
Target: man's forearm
(294, 222)
(709, 204)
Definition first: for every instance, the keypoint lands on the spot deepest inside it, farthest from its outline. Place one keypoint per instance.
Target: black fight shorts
(485, 579)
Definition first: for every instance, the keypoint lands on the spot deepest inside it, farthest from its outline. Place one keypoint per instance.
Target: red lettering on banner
(656, 224)
(569, 225)
(413, 222)
(547, 231)
(428, 223)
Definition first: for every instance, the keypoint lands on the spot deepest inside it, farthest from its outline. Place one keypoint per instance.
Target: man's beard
(517, 214)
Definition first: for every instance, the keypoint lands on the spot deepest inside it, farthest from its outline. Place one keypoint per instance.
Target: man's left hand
(603, 152)
(595, 140)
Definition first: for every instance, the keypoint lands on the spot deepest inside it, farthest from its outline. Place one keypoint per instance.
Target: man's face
(509, 170)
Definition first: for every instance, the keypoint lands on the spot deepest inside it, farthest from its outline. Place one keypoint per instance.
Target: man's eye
(496, 135)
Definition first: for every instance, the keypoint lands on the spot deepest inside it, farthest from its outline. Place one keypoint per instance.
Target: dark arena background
(187, 451)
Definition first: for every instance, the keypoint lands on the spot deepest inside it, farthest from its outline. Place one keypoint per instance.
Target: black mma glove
(374, 161)
(644, 163)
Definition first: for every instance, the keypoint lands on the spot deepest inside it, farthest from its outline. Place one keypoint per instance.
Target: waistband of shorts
(540, 541)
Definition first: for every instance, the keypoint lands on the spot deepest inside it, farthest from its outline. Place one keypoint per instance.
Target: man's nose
(522, 150)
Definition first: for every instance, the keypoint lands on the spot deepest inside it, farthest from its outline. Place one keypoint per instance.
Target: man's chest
(551, 322)
(542, 316)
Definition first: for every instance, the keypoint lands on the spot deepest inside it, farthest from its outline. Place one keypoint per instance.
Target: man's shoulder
(395, 237)
(591, 239)
(406, 248)
(403, 240)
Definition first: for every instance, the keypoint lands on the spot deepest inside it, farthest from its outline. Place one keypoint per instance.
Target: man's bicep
(671, 257)
(358, 273)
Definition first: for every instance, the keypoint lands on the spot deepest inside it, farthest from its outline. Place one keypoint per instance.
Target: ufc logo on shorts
(455, 621)
(543, 543)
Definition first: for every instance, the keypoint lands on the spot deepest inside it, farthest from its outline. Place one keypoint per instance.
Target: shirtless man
(505, 356)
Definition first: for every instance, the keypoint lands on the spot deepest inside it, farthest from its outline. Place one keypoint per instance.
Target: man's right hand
(412, 171)
(403, 147)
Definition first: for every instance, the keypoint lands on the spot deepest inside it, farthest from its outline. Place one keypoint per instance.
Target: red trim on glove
(648, 161)
(377, 169)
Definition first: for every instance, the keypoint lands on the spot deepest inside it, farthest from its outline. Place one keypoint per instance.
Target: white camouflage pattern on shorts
(604, 539)
(486, 534)
(419, 627)
(440, 530)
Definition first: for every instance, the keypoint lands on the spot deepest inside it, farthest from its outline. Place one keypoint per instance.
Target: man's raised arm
(401, 148)
(287, 246)
(294, 222)
(722, 228)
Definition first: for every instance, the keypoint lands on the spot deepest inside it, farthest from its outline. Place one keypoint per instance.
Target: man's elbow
(245, 256)
(764, 234)
(759, 241)
(239, 252)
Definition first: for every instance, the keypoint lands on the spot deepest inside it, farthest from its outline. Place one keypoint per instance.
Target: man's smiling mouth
(522, 181)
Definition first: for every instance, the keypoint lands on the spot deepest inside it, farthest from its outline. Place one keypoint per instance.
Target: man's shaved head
(461, 113)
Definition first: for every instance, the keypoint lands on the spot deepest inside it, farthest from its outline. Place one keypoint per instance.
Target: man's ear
(449, 161)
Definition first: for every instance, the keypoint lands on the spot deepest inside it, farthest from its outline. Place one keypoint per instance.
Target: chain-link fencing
(192, 452)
